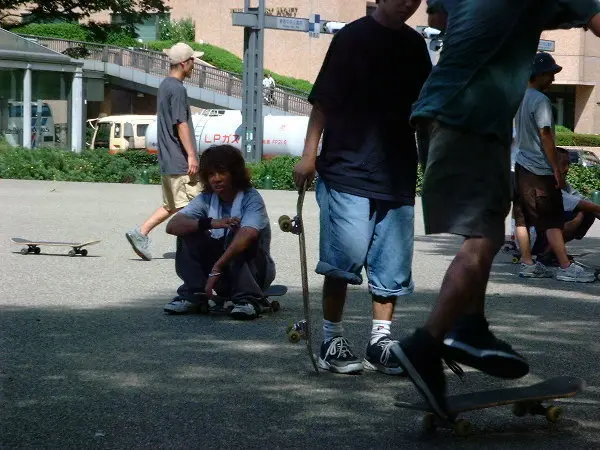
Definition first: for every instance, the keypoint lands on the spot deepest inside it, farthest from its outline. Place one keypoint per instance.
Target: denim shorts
(359, 232)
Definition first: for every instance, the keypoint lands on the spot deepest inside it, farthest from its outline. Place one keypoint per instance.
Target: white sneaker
(575, 273)
(180, 306)
(244, 311)
(537, 270)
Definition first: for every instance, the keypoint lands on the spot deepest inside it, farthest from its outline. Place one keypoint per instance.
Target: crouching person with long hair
(224, 239)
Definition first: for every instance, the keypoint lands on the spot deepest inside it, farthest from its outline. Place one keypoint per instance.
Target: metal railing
(157, 63)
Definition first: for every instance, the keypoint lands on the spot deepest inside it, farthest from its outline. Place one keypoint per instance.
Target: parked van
(120, 133)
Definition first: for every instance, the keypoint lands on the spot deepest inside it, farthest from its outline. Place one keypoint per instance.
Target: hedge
(574, 139)
(100, 166)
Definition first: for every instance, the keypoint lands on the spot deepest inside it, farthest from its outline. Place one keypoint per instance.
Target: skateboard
(33, 246)
(223, 305)
(525, 400)
(301, 329)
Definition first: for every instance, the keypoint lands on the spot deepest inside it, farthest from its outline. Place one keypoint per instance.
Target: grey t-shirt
(534, 113)
(172, 108)
(253, 214)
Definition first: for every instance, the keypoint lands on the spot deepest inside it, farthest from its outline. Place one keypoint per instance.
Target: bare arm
(594, 25)
(587, 206)
(185, 134)
(550, 150)
(305, 169)
(181, 225)
(242, 240)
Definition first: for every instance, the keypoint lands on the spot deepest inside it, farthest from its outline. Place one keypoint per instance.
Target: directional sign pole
(252, 98)
(255, 22)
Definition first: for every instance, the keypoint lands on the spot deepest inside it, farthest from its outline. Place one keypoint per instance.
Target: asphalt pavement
(89, 360)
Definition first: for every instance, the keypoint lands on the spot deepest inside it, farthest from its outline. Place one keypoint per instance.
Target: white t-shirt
(571, 198)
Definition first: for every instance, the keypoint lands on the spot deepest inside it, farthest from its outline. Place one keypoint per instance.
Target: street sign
(546, 46)
(288, 23)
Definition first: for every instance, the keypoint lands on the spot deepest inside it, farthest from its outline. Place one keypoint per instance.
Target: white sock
(332, 329)
(381, 328)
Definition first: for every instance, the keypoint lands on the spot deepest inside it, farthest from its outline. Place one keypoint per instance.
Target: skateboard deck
(223, 305)
(34, 246)
(525, 400)
(303, 328)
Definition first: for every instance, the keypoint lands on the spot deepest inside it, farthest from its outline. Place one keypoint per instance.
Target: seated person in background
(580, 215)
(224, 239)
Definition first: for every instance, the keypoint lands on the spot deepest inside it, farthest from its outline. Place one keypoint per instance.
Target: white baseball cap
(181, 52)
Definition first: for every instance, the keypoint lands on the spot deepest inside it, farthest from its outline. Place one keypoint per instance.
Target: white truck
(283, 135)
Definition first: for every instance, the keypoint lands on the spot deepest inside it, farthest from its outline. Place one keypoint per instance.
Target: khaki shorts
(179, 190)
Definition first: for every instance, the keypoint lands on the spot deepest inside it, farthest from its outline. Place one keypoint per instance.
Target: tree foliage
(131, 11)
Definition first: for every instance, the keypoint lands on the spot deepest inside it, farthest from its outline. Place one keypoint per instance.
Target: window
(141, 130)
(103, 135)
(117, 133)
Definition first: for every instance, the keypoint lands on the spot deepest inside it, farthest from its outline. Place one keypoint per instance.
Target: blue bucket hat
(544, 63)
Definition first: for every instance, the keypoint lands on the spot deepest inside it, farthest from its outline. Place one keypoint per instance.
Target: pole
(252, 100)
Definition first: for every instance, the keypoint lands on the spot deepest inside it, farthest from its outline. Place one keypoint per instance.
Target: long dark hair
(224, 158)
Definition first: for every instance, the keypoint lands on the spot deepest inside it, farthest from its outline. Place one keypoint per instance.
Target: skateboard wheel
(24, 251)
(515, 259)
(294, 336)
(519, 409)
(275, 306)
(285, 224)
(462, 427)
(84, 252)
(37, 250)
(72, 252)
(288, 329)
(429, 424)
(553, 414)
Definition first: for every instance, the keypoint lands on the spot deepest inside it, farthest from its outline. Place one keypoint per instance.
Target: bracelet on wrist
(214, 274)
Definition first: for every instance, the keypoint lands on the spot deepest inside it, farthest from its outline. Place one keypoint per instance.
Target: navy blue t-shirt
(369, 80)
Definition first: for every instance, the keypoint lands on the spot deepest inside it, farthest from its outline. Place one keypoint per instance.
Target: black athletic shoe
(337, 356)
(473, 344)
(421, 357)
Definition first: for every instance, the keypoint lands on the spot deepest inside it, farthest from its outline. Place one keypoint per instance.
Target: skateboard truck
(297, 331)
(289, 225)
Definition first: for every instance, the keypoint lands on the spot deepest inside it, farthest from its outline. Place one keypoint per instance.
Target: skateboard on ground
(301, 329)
(223, 305)
(525, 400)
(33, 246)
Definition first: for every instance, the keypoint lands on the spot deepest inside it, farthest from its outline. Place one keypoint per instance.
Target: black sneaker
(380, 358)
(421, 357)
(473, 344)
(337, 356)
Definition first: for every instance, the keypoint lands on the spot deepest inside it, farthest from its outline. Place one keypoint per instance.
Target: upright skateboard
(33, 246)
(525, 400)
(301, 329)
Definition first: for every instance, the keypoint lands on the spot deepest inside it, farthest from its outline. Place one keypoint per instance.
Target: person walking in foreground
(367, 175)
(467, 106)
(176, 147)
